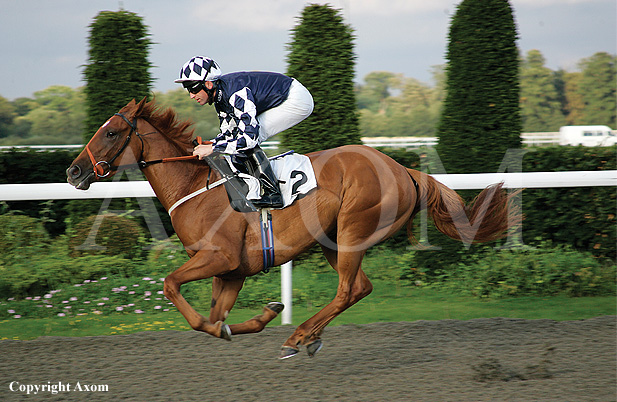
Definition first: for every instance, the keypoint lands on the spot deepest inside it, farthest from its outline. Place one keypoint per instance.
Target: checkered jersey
(240, 98)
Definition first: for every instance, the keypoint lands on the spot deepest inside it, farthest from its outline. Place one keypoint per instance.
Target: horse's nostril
(74, 171)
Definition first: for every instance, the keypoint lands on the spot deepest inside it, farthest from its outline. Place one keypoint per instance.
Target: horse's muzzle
(78, 178)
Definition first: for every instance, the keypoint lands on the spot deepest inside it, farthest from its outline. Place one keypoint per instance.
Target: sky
(45, 42)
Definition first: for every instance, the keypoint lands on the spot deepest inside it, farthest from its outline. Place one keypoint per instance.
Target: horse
(362, 197)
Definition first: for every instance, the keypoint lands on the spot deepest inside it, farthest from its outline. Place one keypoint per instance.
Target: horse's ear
(137, 107)
(140, 106)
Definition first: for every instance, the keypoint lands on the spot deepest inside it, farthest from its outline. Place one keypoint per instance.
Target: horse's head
(111, 141)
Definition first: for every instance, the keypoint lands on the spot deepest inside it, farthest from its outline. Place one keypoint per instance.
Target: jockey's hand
(203, 150)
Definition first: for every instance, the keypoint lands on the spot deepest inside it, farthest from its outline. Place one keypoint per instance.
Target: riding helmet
(199, 68)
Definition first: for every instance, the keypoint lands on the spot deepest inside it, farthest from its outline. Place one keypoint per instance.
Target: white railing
(531, 139)
(535, 139)
(400, 142)
(130, 189)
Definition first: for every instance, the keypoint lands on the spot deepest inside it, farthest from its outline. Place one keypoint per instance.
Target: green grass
(385, 305)
(433, 305)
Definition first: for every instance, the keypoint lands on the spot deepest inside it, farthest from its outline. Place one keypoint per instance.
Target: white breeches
(297, 107)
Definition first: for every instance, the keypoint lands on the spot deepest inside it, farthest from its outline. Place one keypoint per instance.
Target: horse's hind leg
(259, 322)
(353, 286)
(224, 295)
(362, 287)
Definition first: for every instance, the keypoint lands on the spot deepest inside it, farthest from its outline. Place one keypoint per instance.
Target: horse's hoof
(287, 352)
(314, 347)
(275, 306)
(225, 332)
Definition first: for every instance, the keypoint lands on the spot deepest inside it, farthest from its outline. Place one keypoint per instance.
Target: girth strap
(267, 239)
(195, 194)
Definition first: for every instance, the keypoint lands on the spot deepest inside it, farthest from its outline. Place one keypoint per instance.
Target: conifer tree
(118, 66)
(481, 118)
(321, 57)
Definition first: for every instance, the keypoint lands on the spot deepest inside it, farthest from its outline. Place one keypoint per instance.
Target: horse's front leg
(224, 295)
(204, 264)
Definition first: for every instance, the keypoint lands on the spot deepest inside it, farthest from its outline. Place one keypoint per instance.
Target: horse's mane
(164, 120)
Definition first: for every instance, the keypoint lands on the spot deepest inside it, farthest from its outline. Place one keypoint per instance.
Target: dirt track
(478, 360)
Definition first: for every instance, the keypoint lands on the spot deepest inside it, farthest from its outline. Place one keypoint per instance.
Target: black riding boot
(260, 167)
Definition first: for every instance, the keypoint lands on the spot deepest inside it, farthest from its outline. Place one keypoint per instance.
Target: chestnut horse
(363, 197)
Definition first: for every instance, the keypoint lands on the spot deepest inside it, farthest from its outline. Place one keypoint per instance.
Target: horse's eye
(111, 134)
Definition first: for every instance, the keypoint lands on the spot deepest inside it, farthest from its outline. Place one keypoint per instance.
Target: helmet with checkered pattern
(199, 68)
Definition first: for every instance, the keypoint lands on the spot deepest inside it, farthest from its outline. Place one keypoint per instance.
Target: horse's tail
(488, 217)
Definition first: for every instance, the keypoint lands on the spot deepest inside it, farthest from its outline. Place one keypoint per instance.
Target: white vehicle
(588, 136)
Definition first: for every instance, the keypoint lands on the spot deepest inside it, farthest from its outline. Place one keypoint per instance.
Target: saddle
(292, 175)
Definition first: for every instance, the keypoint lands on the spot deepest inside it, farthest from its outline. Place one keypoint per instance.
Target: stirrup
(274, 200)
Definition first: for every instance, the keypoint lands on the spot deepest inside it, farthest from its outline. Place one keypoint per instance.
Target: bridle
(104, 168)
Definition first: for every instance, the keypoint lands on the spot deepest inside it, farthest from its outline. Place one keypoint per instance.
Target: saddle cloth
(293, 171)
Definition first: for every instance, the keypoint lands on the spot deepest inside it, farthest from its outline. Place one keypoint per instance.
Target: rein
(104, 168)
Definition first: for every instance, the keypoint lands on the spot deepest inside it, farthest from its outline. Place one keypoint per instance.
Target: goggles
(194, 86)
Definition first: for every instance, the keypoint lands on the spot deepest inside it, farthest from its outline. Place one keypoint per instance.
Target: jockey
(252, 107)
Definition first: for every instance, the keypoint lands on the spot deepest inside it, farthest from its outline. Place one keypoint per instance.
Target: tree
(540, 103)
(7, 114)
(597, 88)
(481, 117)
(575, 105)
(118, 66)
(58, 118)
(24, 105)
(321, 57)
(377, 88)
(391, 105)
(54, 116)
(559, 82)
